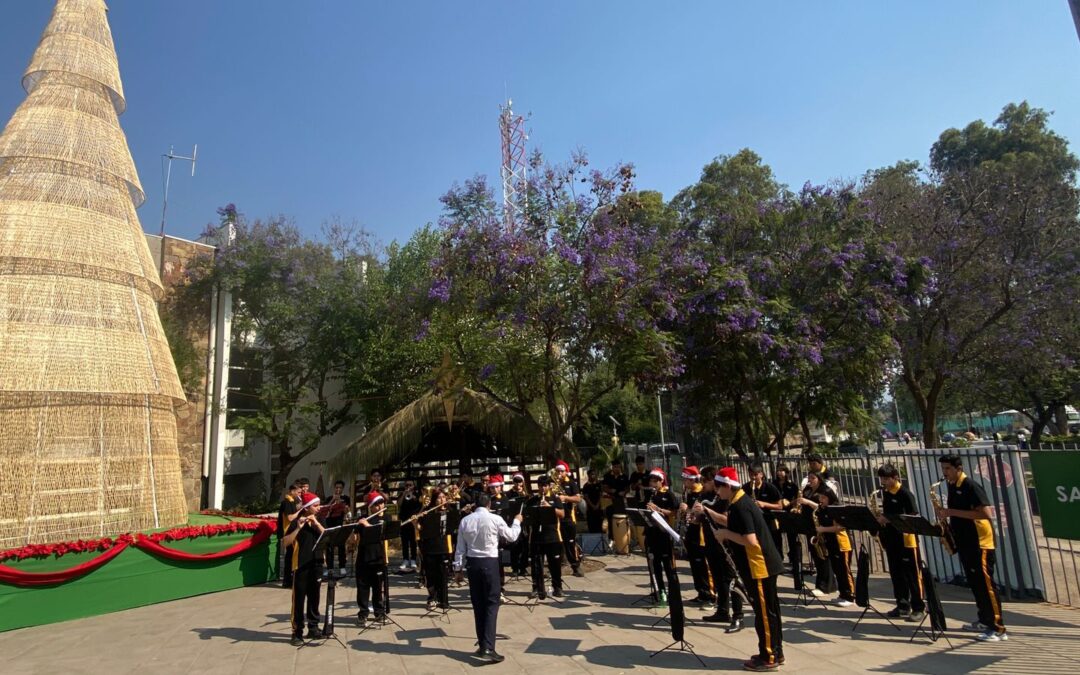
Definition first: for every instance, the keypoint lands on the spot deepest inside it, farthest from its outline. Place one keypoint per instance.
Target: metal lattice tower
(512, 131)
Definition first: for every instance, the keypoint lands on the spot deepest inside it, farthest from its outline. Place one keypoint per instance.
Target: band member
(436, 551)
(639, 483)
(901, 549)
(470, 488)
(759, 565)
(789, 497)
(371, 561)
(825, 580)
(615, 487)
(837, 543)
(592, 491)
(660, 549)
(969, 514)
(333, 514)
(545, 541)
(287, 511)
(303, 532)
(729, 604)
(695, 536)
(817, 465)
(408, 506)
(519, 549)
(571, 497)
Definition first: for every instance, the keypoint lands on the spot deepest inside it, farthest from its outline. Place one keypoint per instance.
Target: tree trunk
(1061, 419)
(286, 462)
(926, 403)
(808, 440)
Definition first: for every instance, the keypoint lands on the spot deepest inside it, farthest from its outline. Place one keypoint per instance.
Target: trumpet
(948, 540)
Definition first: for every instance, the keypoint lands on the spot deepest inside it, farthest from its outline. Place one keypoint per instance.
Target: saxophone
(947, 538)
(817, 541)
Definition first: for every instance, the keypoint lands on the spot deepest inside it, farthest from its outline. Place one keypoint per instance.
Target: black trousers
(840, 561)
(699, 567)
(553, 552)
(305, 598)
(408, 542)
(569, 536)
(767, 618)
(285, 564)
(371, 588)
(519, 556)
(729, 604)
(905, 575)
(825, 580)
(660, 557)
(794, 553)
(484, 592)
(979, 569)
(437, 577)
(594, 518)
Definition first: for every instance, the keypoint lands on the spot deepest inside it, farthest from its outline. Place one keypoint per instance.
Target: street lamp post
(663, 448)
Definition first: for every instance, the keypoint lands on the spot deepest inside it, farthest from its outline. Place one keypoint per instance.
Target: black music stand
(859, 518)
(379, 534)
(798, 525)
(639, 518)
(331, 536)
(917, 525)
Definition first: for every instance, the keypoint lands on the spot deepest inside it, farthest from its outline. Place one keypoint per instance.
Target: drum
(621, 536)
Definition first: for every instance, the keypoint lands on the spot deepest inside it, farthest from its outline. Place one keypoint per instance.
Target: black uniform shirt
(965, 495)
(618, 485)
(592, 493)
(373, 553)
(695, 535)
(763, 560)
(304, 545)
(408, 506)
(896, 503)
(285, 509)
(439, 543)
(767, 492)
(550, 534)
(656, 537)
(570, 489)
(788, 490)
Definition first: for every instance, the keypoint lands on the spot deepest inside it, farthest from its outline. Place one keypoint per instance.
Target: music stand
(377, 534)
(331, 536)
(917, 525)
(796, 524)
(859, 518)
(639, 518)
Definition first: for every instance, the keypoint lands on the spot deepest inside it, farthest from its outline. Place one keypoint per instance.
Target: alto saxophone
(947, 538)
(817, 541)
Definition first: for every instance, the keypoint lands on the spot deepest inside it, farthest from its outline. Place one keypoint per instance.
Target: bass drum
(621, 536)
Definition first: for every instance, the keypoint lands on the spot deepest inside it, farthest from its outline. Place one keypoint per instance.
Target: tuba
(555, 488)
(947, 538)
(425, 496)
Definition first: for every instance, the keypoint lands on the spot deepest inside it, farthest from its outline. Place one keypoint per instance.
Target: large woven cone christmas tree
(87, 382)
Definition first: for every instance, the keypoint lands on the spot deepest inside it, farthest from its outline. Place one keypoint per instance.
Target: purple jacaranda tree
(571, 302)
(995, 219)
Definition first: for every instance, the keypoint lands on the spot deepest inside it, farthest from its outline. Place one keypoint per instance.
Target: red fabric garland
(148, 543)
(10, 575)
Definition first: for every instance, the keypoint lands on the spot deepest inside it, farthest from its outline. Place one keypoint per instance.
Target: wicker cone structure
(87, 382)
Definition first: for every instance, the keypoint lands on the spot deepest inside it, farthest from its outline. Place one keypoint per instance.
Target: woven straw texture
(87, 382)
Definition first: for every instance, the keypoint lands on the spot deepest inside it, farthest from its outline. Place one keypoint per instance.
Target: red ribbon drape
(261, 534)
(10, 575)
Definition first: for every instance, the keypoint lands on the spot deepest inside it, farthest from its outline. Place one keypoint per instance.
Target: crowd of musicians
(734, 535)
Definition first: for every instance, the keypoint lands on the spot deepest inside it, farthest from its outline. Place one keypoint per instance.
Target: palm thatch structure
(450, 421)
(87, 382)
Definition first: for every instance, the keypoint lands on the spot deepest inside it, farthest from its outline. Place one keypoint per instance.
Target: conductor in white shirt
(478, 553)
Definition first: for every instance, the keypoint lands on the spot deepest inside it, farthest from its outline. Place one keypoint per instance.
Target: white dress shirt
(479, 535)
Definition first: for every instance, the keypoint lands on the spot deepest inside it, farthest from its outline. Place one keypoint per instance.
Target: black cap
(543, 479)
(814, 457)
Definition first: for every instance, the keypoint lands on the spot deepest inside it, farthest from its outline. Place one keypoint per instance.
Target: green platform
(135, 578)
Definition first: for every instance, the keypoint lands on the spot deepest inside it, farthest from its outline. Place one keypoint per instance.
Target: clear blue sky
(369, 111)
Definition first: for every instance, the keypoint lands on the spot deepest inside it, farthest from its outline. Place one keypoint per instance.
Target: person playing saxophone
(901, 549)
(837, 543)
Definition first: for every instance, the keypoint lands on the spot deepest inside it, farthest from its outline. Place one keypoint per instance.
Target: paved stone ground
(596, 629)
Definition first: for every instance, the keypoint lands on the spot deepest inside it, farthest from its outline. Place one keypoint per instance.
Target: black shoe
(492, 656)
(297, 641)
(361, 619)
(897, 613)
(578, 572)
(735, 626)
(313, 634)
(716, 618)
(759, 665)
(478, 653)
(557, 593)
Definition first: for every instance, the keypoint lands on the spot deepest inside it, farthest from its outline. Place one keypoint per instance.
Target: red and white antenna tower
(512, 130)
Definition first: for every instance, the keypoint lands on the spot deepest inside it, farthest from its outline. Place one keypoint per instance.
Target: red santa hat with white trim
(657, 472)
(374, 498)
(308, 499)
(727, 476)
(496, 480)
(691, 473)
(562, 466)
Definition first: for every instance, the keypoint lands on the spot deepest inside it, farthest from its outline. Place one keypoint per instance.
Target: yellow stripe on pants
(993, 596)
(765, 620)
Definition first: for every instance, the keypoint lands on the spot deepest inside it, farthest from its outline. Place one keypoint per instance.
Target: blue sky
(368, 111)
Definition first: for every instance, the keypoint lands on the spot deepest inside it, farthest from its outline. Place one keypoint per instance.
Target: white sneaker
(817, 593)
(412, 564)
(840, 602)
(403, 566)
(975, 627)
(992, 636)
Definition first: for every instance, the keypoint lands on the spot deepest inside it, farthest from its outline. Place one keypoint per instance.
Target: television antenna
(167, 171)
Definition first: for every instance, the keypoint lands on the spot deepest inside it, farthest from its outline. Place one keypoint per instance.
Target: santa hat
(496, 480)
(308, 499)
(727, 476)
(658, 473)
(691, 473)
(519, 477)
(562, 466)
(374, 498)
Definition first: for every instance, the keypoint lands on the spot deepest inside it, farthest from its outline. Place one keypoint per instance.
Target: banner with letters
(1057, 485)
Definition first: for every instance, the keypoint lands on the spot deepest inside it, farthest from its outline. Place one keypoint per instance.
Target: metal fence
(1029, 565)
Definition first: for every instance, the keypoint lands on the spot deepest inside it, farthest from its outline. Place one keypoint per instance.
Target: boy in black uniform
(594, 513)
(636, 498)
(969, 516)
(768, 499)
(571, 497)
(658, 544)
(615, 486)
(711, 508)
(789, 497)
(437, 551)
(693, 491)
(759, 565)
(838, 544)
(303, 532)
(408, 506)
(334, 510)
(290, 504)
(546, 541)
(519, 550)
(371, 561)
(901, 550)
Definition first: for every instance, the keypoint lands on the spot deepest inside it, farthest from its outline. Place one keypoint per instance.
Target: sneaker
(313, 634)
(817, 593)
(557, 593)
(897, 613)
(663, 599)
(992, 636)
(503, 599)
(758, 665)
(841, 602)
(735, 626)
(297, 641)
(431, 605)
(915, 617)
(549, 589)
(975, 627)
(403, 566)
(361, 620)
(708, 607)
(578, 572)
